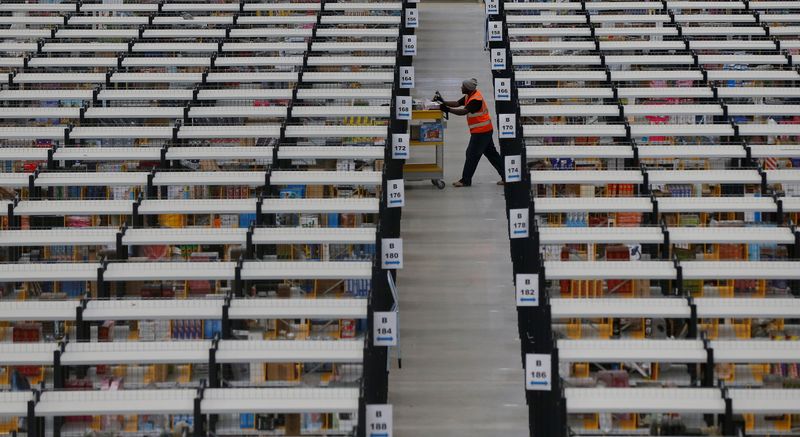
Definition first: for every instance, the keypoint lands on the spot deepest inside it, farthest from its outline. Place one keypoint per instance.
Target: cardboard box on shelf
(280, 372)
(292, 425)
(329, 286)
(284, 291)
(315, 191)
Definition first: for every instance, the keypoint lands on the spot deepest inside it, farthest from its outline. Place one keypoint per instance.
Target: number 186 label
(537, 372)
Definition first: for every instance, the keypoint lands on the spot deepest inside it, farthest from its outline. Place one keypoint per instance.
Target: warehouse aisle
(461, 367)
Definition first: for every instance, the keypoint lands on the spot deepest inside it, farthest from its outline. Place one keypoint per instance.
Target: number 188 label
(379, 420)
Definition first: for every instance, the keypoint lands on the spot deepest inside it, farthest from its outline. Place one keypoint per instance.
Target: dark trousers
(480, 144)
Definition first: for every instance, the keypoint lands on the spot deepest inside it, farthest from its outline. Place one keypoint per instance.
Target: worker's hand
(444, 108)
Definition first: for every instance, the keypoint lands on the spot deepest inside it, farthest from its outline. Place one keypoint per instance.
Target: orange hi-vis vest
(478, 122)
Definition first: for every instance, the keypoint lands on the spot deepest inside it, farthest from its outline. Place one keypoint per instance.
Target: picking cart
(427, 130)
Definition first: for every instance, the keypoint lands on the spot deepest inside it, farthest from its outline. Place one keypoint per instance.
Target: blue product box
(247, 420)
(431, 132)
(246, 219)
(293, 192)
(211, 327)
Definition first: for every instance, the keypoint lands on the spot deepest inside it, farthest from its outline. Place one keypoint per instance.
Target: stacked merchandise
(679, 117)
(193, 211)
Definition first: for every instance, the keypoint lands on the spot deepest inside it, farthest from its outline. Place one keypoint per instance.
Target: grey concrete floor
(461, 372)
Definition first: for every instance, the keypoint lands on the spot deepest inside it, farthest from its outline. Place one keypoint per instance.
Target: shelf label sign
(379, 420)
(409, 45)
(392, 250)
(513, 171)
(518, 223)
(502, 89)
(527, 290)
(400, 147)
(385, 328)
(403, 108)
(492, 7)
(537, 372)
(412, 17)
(406, 77)
(395, 193)
(495, 30)
(498, 59)
(508, 125)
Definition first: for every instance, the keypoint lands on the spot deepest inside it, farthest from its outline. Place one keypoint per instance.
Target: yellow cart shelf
(433, 171)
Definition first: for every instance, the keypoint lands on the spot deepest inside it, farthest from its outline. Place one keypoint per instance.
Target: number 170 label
(508, 125)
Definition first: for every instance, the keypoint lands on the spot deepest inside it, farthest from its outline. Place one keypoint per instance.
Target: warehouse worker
(473, 105)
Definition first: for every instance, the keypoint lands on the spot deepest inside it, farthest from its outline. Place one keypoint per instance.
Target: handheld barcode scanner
(437, 97)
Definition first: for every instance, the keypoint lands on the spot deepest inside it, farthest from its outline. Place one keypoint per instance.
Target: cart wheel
(439, 183)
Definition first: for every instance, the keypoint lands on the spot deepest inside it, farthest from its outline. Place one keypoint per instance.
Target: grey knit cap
(470, 84)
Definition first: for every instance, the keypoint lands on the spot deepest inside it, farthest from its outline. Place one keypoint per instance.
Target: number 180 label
(392, 253)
